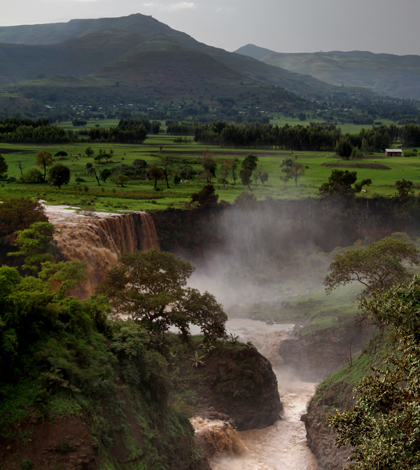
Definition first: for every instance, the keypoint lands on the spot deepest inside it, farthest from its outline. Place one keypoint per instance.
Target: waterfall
(99, 241)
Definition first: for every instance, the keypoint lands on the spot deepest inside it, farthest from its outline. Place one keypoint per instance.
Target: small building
(393, 152)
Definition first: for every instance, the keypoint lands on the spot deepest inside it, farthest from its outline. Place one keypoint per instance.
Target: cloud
(170, 6)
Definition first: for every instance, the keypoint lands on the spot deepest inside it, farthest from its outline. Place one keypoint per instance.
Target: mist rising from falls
(99, 241)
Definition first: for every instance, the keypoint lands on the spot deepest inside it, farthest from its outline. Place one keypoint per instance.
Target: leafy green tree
(44, 159)
(377, 266)
(121, 179)
(296, 171)
(206, 197)
(263, 175)
(156, 174)
(286, 168)
(3, 165)
(105, 174)
(245, 175)
(150, 287)
(89, 151)
(404, 188)
(209, 166)
(246, 200)
(250, 162)
(340, 182)
(92, 172)
(383, 427)
(19, 213)
(33, 243)
(59, 174)
(344, 147)
(32, 176)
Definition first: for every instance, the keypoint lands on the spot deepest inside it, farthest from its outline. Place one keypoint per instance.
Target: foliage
(383, 428)
(32, 176)
(246, 200)
(376, 266)
(250, 162)
(59, 174)
(33, 243)
(150, 287)
(209, 166)
(19, 213)
(43, 160)
(245, 175)
(340, 182)
(3, 165)
(206, 197)
(404, 188)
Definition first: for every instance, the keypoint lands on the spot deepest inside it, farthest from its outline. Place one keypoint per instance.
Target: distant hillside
(255, 52)
(134, 56)
(385, 74)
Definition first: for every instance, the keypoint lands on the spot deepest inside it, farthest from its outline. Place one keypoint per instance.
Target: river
(281, 446)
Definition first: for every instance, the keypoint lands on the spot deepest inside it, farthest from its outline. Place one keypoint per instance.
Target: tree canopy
(43, 160)
(19, 213)
(59, 174)
(383, 428)
(340, 182)
(377, 266)
(150, 287)
(3, 165)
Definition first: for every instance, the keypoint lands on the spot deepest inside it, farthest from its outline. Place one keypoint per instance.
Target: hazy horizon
(379, 26)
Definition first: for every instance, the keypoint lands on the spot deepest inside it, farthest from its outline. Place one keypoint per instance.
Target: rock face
(321, 441)
(312, 358)
(235, 383)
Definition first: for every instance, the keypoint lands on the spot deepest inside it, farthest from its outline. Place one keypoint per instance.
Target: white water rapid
(281, 446)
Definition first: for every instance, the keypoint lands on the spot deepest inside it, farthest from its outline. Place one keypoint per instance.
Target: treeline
(128, 131)
(32, 131)
(315, 137)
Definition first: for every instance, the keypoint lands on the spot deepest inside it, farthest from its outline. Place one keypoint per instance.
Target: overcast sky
(390, 26)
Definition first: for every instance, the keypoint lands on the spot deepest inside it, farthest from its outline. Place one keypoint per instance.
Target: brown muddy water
(281, 446)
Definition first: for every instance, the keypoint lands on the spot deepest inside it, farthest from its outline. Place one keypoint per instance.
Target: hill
(385, 74)
(255, 52)
(64, 62)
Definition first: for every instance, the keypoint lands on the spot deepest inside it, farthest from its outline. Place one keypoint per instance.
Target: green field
(139, 195)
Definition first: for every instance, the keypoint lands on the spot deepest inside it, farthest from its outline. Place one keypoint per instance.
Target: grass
(163, 146)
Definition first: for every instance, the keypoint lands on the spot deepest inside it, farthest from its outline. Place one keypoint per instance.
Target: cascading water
(281, 446)
(98, 241)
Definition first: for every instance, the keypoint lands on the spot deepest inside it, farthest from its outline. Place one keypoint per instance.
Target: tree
(105, 174)
(263, 175)
(246, 200)
(59, 174)
(383, 428)
(246, 176)
(286, 167)
(43, 160)
(32, 176)
(150, 287)
(3, 165)
(404, 188)
(19, 213)
(209, 166)
(205, 197)
(377, 266)
(92, 172)
(121, 179)
(89, 151)
(250, 162)
(297, 170)
(156, 174)
(33, 243)
(340, 182)
(344, 147)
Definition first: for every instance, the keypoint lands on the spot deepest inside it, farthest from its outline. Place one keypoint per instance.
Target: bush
(32, 176)
(61, 153)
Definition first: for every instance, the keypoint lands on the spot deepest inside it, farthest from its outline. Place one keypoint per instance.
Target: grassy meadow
(140, 195)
